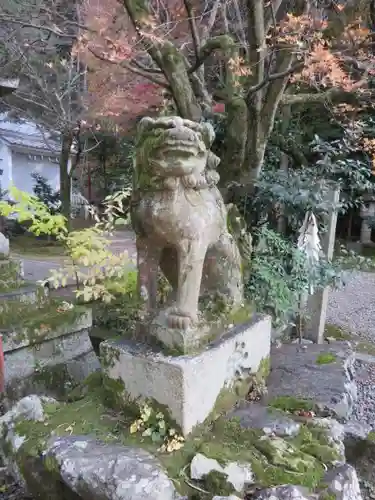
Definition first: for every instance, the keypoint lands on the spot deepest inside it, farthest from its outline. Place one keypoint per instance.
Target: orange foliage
(116, 92)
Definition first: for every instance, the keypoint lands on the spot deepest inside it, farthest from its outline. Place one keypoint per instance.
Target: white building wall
(5, 166)
(23, 165)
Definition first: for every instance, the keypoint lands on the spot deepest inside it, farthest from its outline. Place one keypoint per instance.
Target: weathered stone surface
(335, 435)
(238, 474)
(271, 421)
(98, 471)
(26, 294)
(189, 385)
(177, 209)
(343, 482)
(286, 492)
(296, 372)
(231, 497)
(31, 360)
(360, 453)
(356, 430)
(4, 245)
(28, 408)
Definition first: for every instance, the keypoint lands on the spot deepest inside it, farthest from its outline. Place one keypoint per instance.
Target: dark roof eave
(33, 150)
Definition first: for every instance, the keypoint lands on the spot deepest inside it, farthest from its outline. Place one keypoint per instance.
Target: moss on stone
(366, 347)
(371, 436)
(325, 358)
(34, 324)
(325, 495)
(90, 417)
(216, 482)
(108, 356)
(264, 368)
(274, 460)
(336, 332)
(297, 460)
(292, 404)
(10, 279)
(54, 378)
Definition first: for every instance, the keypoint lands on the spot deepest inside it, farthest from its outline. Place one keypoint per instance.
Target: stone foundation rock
(321, 373)
(190, 386)
(43, 363)
(84, 467)
(79, 467)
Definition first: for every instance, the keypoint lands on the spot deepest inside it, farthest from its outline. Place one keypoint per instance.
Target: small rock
(231, 497)
(4, 245)
(271, 421)
(96, 470)
(343, 482)
(28, 408)
(201, 466)
(302, 342)
(356, 430)
(238, 474)
(335, 436)
(286, 492)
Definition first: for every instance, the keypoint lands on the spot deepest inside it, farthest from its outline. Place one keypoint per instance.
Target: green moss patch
(325, 358)
(274, 460)
(291, 404)
(34, 322)
(366, 348)
(216, 483)
(9, 277)
(336, 332)
(298, 460)
(88, 416)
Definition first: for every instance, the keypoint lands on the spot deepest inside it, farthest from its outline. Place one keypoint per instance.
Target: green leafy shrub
(280, 274)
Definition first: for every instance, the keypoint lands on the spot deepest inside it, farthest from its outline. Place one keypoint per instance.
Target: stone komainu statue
(180, 218)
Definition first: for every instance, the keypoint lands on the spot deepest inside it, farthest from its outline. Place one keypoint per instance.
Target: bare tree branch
(193, 27)
(128, 66)
(55, 31)
(221, 42)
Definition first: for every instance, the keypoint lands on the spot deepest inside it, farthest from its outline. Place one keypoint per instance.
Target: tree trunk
(65, 179)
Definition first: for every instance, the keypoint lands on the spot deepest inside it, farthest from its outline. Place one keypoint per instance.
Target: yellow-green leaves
(28, 208)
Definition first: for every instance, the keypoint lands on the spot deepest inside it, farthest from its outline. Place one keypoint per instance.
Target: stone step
(27, 294)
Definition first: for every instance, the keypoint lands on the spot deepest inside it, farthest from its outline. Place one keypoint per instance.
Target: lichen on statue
(180, 218)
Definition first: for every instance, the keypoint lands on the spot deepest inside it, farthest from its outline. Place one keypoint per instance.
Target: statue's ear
(208, 133)
(144, 125)
(212, 161)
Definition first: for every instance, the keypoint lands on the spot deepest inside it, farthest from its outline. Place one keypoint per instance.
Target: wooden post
(317, 303)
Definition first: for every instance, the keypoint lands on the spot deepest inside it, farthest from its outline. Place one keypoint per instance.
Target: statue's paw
(180, 320)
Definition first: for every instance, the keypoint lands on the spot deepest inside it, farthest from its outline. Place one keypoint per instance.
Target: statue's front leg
(148, 257)
(191, 255)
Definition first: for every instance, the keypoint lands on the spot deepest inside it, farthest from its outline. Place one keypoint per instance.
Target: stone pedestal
(366, 211)
(190, 386)
(317, 303)
(48, 362)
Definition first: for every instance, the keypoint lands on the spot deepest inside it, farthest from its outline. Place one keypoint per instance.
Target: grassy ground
(30, 245)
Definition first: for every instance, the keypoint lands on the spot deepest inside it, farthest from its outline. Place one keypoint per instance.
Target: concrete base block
(189, 386)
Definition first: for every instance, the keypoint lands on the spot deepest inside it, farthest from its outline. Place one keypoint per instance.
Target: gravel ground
(352, 307)
(364, 410)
